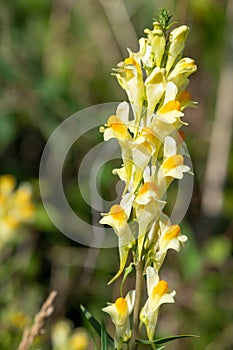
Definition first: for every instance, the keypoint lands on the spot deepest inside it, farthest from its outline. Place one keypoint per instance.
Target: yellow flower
(117, 218)
(147, 208)
(155, 46)
(18, 319)
(130, 77)
(170, 112)
(16, 207)
(78, 340)
(173, 163)
(147, 191)
(183, 69)
(158, 43)
(60, 334)
(65, 338)
(118, 126)
(157, 295)
(169, 237)
(24, 209)
(155, 87)
(7, 184)
(177, 39)
(144, 53)
(143, 148)
(120, 312)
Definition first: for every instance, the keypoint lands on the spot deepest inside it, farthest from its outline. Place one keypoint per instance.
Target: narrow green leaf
(93, 322)
(93, 338)
(96, 325)
(104, 339)
(175, 337)
(165, 340)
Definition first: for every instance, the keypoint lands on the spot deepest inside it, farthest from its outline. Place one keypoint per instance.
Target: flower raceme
(155, 80)
(161, 66)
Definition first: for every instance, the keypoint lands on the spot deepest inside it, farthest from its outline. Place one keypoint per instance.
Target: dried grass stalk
(36, 329)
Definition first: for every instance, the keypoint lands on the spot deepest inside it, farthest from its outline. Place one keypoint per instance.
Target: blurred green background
(56, 57)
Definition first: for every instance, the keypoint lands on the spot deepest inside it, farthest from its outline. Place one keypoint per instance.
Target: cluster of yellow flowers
(155, 80)
(16, 207)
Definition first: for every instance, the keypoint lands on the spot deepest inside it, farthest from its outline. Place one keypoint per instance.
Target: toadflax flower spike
(153, 155)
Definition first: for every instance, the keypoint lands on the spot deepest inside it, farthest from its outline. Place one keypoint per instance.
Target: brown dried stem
(36, 329)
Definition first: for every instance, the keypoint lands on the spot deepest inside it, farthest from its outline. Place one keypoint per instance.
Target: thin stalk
(137, 305)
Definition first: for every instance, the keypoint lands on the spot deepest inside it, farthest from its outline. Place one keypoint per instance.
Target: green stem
(137, 305)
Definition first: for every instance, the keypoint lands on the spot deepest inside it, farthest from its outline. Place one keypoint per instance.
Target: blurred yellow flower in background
(64, 337)
(78, 340)
(15, 318)
(16, 207)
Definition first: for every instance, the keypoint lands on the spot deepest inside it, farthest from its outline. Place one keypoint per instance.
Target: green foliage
(164, 19)
(99, 328)
(218, 250)
(104, 337)
(164, 340)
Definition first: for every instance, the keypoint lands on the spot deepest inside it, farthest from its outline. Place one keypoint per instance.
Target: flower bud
(155, 88)
(177, 40)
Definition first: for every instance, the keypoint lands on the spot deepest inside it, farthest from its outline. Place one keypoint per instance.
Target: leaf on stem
(96, 325)
(165, 340)
(104, 337)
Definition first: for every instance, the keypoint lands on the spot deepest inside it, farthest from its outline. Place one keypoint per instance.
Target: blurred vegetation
(56, 57)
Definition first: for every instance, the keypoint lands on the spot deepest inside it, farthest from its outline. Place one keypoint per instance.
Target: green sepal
(165, 340)
(96, 325)
(128, 270)
(123, 253)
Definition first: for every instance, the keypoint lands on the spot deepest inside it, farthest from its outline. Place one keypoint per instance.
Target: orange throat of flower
(121, 306)
(172, 162)
(160, 289)
(172, 232)
(118, 214)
